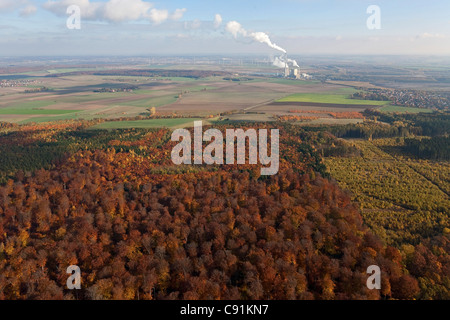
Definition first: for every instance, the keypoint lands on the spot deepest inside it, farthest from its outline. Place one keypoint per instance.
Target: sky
(265, 27)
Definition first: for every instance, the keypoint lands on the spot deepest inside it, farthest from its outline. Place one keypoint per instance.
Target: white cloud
(217, 21)
(25, 7)
(159, 16)
(178, 14)
(114, 10)
(125, 10)
(89, 10)
(235, 28)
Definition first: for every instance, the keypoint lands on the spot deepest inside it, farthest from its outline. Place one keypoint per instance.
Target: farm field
(86, 96)
(34, 111)
(72, 96)
(403, 109)
(331, 98)
(151, 101)
(257, 117)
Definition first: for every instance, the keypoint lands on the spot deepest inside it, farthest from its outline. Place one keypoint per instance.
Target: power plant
(291, 72)
(291, 67)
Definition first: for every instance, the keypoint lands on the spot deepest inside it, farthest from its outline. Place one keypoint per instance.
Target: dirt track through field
(259, 105)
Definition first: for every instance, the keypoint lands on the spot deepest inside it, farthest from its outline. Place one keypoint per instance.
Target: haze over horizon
(138, 27)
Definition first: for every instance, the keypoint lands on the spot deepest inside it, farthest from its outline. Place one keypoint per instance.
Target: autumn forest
(141, 228)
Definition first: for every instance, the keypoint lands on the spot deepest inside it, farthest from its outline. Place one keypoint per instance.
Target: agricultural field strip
(402, 109)
(328, 98)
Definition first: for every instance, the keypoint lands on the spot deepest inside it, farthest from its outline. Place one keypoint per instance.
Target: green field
(97, 96)
(329, 98)
(69, 116)
(152, 123)
(66, 70)
(404, 109)
(34, 107)
(29, 105)
(35, 111)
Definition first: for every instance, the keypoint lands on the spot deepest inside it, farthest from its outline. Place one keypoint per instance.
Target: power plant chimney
(287, 72)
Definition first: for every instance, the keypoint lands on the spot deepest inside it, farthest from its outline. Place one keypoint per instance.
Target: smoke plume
(294, 63)
(278, 62)
(282, 61)
(236, 29)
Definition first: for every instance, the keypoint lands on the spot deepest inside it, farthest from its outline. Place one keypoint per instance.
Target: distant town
(9, 83)
(410, 98)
